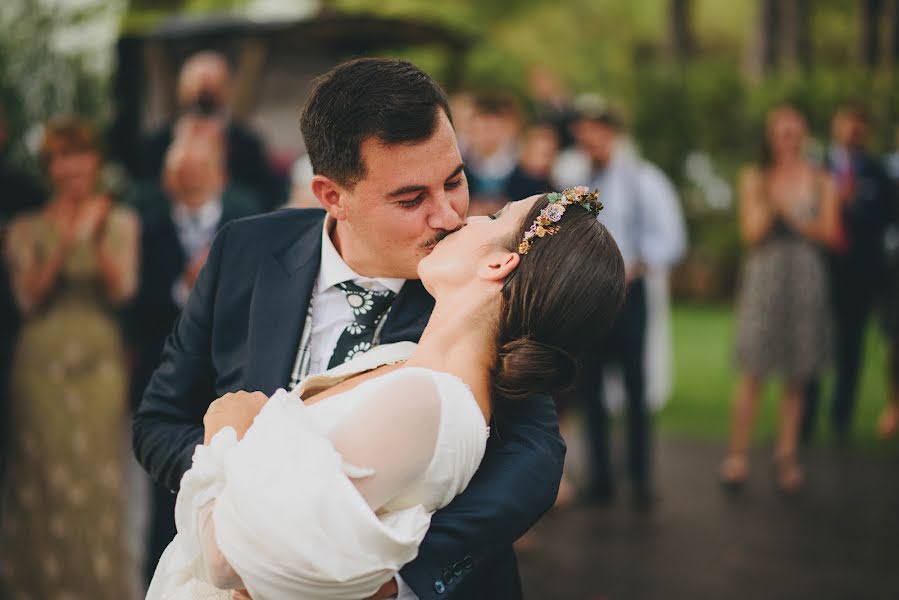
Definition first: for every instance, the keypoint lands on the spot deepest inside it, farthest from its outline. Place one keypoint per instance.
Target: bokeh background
(692, 82)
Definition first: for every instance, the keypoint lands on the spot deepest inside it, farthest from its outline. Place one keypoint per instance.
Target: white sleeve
(391, 435)
(386, 443)
(218, 571)
(663, 235)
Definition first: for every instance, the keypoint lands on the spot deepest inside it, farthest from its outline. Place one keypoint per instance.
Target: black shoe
(597, 496)
(642, 499)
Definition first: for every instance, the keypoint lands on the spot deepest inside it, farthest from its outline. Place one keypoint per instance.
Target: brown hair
(68, 134)
(558, 303)
(390, 100)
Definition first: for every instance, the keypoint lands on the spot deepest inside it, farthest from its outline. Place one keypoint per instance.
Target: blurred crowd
(92, 284)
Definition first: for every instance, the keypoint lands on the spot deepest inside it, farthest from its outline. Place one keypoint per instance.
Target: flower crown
(552, 212)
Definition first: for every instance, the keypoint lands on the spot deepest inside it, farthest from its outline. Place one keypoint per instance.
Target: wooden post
(253, 53)
(869, 33)
(680, 29)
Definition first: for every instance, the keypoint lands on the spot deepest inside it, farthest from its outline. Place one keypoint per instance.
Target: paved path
(838, 540)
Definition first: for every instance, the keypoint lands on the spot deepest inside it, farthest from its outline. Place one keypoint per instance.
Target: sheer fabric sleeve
(386, 442)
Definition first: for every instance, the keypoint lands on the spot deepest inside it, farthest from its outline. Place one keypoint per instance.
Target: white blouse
(328, 500)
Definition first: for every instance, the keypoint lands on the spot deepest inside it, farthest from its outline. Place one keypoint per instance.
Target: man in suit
(179, 220)
(274, 300)
(643, 214)
(857, 266)
(204, 90)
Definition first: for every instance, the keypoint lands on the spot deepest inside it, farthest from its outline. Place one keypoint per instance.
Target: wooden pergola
(273, 63)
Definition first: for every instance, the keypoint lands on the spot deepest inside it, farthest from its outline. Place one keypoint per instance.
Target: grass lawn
(704, 381)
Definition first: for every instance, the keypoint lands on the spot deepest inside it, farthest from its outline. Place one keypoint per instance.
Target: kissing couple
(356, 402)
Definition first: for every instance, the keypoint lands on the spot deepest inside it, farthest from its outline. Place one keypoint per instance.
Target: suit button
(457, 571)
(468, 562)
(439, 587)
(447, 576)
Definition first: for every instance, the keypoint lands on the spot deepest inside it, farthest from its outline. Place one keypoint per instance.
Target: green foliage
(705, 379)
(38, 79)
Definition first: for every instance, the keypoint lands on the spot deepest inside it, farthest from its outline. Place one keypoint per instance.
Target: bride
(329, 490)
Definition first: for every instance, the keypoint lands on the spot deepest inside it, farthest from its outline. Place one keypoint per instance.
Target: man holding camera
(204, 89)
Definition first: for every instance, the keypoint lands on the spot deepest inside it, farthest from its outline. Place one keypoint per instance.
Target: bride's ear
(499, 265)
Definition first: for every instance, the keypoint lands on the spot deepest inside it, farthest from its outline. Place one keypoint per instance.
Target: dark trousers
(625, 346)
(162, 526)
(853, 299)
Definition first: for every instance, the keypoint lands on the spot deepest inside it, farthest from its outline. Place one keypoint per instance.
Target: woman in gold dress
(71, 265)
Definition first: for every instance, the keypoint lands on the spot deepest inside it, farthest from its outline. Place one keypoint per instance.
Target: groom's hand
(235, 409)
(388, 590)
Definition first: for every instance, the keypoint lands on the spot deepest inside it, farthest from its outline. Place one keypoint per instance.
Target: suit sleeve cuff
(404, 592)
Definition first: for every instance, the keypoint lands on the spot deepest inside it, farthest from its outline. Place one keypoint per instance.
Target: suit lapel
(409, 314)
(281, 296)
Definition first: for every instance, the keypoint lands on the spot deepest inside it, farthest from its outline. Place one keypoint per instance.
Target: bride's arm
(387, 442)
(392, 434)
(218, 571)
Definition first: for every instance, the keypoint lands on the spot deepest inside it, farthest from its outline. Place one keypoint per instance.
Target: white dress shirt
(195, 228)
(641, 211)
(331, 314)
(330, 311)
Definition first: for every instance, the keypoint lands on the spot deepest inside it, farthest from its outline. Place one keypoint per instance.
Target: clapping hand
(193, 268)
(235, 409)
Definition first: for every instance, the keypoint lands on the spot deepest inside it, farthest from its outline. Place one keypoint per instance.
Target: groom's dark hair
(391, 100)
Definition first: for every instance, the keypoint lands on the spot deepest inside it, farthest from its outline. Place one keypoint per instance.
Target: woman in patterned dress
(788, 212)
(71, 265)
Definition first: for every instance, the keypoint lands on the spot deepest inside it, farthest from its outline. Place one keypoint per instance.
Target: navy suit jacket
(240, 330)
(865, 219)
(153, 311)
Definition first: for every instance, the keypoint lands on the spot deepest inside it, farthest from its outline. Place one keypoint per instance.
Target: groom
(275, 302)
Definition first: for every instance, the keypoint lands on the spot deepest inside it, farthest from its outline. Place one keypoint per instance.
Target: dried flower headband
(552, 213)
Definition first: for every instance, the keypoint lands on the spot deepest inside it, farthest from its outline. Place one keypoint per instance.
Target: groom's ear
(499, 265)
(330, 195)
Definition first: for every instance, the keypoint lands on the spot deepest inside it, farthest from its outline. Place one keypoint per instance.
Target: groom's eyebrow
(408, 189)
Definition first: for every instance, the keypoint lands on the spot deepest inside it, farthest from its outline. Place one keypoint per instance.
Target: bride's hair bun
(525, 367)
(557, 305)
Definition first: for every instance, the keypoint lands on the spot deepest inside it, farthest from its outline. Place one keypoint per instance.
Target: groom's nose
(444, 215)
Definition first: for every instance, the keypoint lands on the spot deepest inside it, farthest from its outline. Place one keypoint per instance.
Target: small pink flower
(554, 212)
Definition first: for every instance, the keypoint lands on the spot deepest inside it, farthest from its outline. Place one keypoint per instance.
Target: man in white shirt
(642, 213)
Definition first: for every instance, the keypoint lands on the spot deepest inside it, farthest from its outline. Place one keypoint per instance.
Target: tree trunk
(869, 34)
(681, 30)
(794, 43)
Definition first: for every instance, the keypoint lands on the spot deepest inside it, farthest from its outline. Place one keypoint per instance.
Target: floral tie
(369, 308)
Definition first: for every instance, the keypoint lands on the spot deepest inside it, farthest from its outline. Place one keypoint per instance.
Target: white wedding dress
(328, 500)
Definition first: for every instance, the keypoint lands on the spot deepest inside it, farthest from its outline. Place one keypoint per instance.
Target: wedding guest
(551, 103)
(492, 150)
(20, 193)
(72, 264)
(643, 214)
(539, 147)
(856, 262)
(204, 90)
(888, 424)
(180, 218)
(301, 195)
(789, 212)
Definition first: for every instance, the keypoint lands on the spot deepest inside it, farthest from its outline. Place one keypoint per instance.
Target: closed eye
(413, 202)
